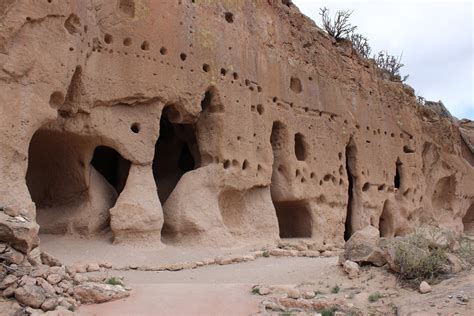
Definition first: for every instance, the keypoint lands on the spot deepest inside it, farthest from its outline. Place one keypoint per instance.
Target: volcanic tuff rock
(211, 122)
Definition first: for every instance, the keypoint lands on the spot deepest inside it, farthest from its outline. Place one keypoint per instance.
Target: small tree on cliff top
(340, 28)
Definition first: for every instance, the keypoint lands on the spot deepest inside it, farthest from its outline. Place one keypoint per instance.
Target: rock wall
(211, 123)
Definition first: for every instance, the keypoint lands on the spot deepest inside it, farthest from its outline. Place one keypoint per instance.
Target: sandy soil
(226, 290)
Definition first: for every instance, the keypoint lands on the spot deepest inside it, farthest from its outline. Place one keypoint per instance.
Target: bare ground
(226, 289)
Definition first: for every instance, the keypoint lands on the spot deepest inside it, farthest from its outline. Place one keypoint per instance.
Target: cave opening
(112, 166)
(468, 221)
(176, 152)
(397, 181)
(294, 219)
(350, 154)
(72, 183)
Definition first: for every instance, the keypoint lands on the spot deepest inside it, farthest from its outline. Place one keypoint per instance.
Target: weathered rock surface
(237, 153)
(363, 247)
(93, 293)
(30, 295)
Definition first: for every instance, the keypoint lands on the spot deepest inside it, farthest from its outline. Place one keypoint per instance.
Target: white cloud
(436, 39)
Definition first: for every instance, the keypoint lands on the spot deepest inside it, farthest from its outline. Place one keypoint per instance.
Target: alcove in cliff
(176, 152)
(294, 217)
(468, 221)
(73, 186)
(351, 154)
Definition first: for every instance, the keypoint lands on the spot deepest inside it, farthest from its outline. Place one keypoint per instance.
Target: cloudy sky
(435, 38)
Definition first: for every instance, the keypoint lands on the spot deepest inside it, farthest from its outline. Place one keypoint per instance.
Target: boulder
(351, 268)
(363, 247)
(94, 293)
(30, 295)
(19, 232)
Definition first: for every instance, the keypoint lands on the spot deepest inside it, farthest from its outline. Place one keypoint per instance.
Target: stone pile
(40, 282)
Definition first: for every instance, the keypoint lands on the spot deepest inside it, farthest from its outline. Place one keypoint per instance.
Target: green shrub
(266, 254)
(335, 289)
(114, 281)
(328, 311)
(374, 297)
(466, 249)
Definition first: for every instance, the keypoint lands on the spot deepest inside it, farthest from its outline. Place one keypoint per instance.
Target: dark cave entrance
(176, 152)
(112, 166)
(468, 221)
(294, 217)
(72, 183)
(351, 152)
(397, 181)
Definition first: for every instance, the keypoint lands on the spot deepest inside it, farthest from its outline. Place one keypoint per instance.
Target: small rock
(309, 253)
(11, 255)
(224, 261)
(49, 260)
(425, 287)
(54, 278)
(30, 295)
(93, 293)
(27, 280)
(93, 267)
(49, 304)
(34, 257)
(264, 290)
(351, 268)
(48, 288)
(309, 295)
(10, 291)
(79, 268)
(283, 252)
(7, 281)
(328, 253)
(293, 293)
(106, 265)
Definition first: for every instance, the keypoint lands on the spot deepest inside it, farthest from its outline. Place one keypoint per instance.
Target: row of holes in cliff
(135, 127)
(295, 83)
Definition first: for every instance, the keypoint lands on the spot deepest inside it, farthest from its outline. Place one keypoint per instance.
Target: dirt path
(226, 289)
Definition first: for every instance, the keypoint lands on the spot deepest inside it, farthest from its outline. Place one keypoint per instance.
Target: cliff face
(211, 122)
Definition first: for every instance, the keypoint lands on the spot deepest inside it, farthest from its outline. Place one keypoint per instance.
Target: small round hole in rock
(206, 68)
(108, 38)
(135, 128)
(163, 51)
(229, 17)
(183, 56)
(56, 99)
(145, 45)
(127, 41)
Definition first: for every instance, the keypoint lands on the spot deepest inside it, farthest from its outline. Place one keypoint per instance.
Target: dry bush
(391, 65)
(361, 44)
(340, 28)
(420, 265)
